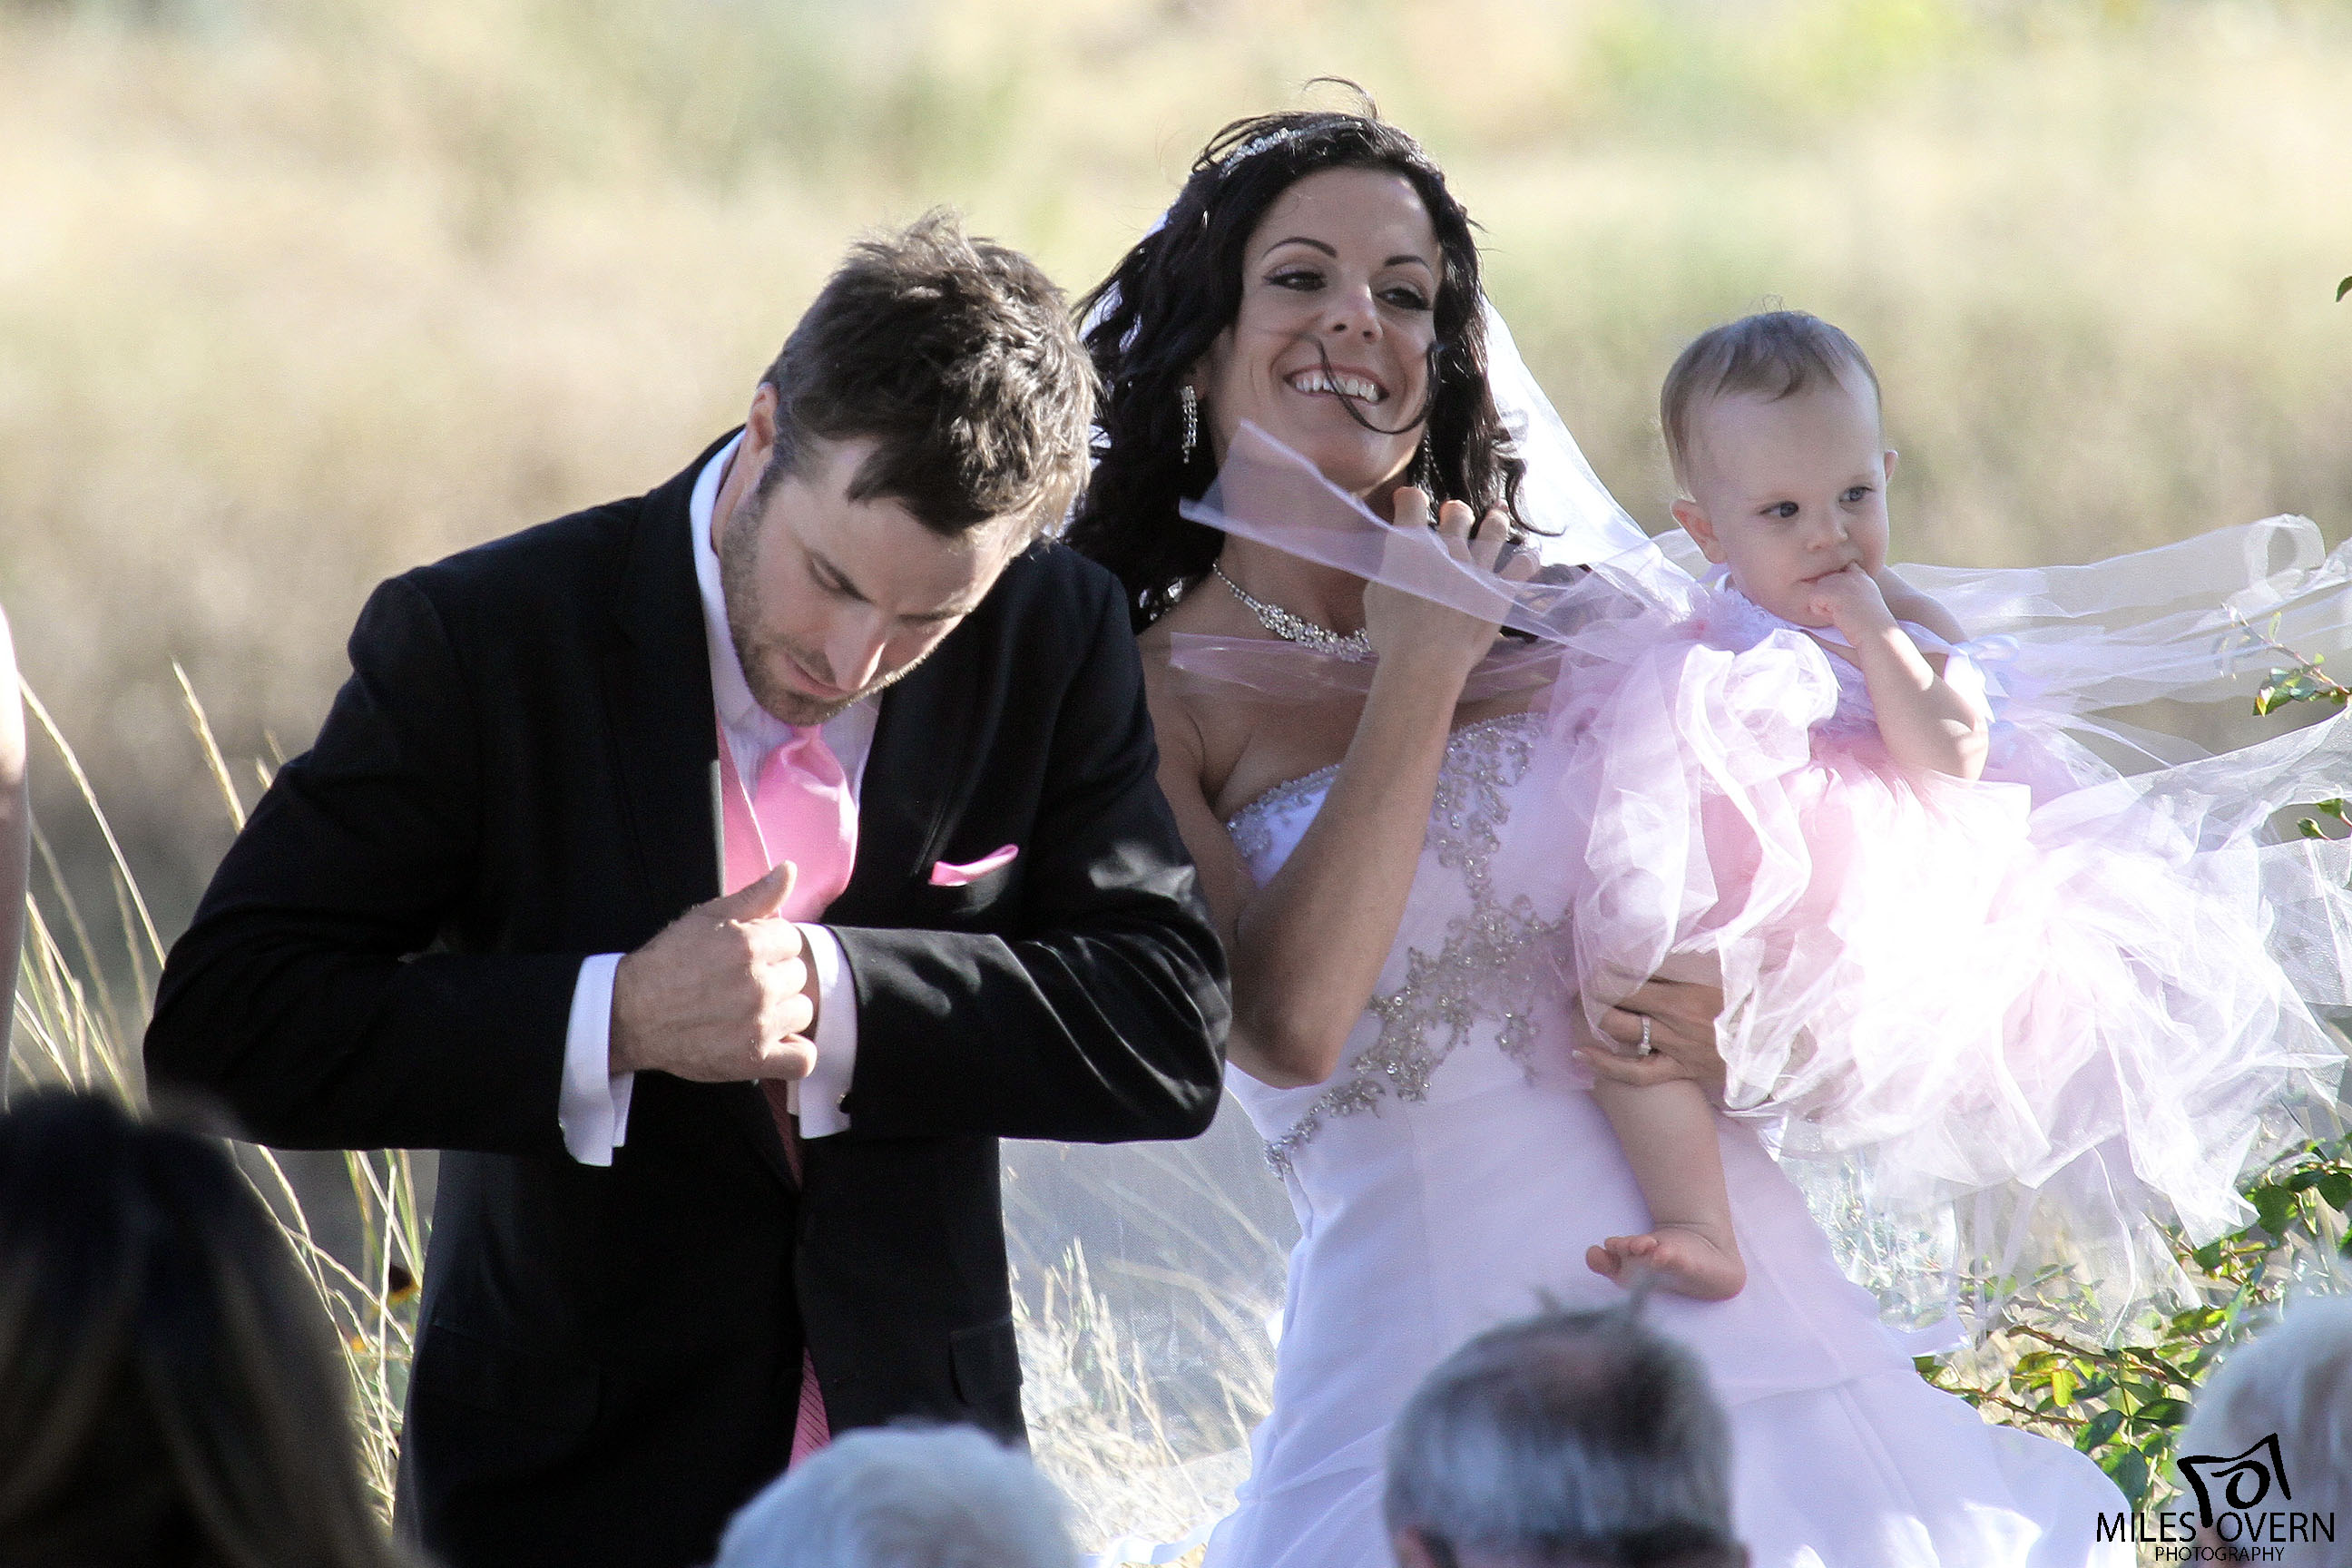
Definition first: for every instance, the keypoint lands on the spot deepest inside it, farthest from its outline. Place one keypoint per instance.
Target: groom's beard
(739, 590)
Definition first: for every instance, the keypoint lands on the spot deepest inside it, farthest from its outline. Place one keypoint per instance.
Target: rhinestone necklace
(1355, 647)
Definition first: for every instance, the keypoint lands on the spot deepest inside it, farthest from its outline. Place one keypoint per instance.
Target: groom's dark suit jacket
(517, 776)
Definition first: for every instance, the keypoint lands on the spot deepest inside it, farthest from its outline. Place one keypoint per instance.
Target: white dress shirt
(593, 1108)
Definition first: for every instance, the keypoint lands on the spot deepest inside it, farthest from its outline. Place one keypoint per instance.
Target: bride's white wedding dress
(1450, 1176)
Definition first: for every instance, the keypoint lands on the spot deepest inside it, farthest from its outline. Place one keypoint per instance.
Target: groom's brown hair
(958, 356)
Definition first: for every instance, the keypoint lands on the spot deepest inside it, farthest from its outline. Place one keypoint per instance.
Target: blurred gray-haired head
(1565, 1438)
(2291, 1382)
(943, 1497)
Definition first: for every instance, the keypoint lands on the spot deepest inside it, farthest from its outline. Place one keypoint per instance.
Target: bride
(1418, 1088)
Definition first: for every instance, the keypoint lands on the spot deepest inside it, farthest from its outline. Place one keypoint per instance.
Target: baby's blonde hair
(1773, 353)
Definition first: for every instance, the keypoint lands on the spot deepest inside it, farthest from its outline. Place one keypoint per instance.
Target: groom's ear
(760, 427)
(1692, 517)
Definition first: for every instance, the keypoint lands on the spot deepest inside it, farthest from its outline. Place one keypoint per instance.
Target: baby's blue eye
(1785, 508)
(1855, 496)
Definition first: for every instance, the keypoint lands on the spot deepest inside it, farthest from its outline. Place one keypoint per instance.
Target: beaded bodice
(1487, 965)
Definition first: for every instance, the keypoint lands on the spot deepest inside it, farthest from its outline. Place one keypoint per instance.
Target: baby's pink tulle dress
(2032, 1015)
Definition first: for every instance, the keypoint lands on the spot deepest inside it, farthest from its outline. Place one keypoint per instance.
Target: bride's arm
(1307, 949)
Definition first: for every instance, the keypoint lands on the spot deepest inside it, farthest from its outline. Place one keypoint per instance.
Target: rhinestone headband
(1258, 144)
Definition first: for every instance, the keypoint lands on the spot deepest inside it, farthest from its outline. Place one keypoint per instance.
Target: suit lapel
(666, 735)
(919, 766)
(657, 692)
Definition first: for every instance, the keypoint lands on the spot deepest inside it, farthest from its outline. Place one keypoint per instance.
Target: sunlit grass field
(296, 294)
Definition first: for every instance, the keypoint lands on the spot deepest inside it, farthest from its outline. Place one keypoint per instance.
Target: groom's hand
(724, 994)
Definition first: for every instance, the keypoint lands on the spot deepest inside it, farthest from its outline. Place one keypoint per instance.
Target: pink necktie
(803, 813)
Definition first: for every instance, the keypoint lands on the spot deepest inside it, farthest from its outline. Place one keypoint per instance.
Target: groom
(717, 875)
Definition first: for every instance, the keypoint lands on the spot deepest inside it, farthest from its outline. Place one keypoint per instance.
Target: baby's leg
(1668, 1131)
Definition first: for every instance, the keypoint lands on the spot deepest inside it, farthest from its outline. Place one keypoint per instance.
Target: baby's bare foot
(1688, 1259)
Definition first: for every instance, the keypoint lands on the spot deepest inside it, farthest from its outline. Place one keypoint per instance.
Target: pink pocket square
(944, 875)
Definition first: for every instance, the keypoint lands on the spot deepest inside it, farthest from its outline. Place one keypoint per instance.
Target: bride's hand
(1430, 634)
(1681, 1015)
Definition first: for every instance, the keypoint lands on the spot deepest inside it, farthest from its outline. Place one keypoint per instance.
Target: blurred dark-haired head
(1166, 317)
(168, 1389)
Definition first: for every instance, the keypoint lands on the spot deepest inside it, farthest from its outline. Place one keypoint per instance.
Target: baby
(1773, 427)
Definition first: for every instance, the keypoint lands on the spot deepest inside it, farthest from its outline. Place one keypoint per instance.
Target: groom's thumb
(760, 900)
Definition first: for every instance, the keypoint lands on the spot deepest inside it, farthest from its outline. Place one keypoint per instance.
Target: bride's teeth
(1346, 386)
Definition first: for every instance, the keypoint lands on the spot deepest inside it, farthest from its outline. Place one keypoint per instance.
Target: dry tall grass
(75, 1027)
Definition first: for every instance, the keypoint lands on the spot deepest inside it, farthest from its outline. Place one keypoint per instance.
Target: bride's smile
(1329, 351)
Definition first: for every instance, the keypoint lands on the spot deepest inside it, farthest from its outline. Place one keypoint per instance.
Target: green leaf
(2272, 1202)
(2099, 1429)
(2062, 1384)
(2129, 1470)
(2305, 1180)
(2344, 287)
(2162, 1413)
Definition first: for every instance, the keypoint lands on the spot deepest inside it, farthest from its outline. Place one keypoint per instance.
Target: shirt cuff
(594, 1107)
(816, 1099)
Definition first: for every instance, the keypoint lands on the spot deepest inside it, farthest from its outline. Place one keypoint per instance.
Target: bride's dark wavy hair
(1162, 307)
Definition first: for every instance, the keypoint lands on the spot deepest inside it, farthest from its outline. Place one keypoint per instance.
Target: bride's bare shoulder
(1196, 615)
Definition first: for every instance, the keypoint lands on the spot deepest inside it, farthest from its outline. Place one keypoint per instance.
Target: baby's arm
(1668, 1131)
(1925, 722)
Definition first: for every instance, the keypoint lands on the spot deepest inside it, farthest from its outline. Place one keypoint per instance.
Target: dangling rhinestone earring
(1190, 402)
